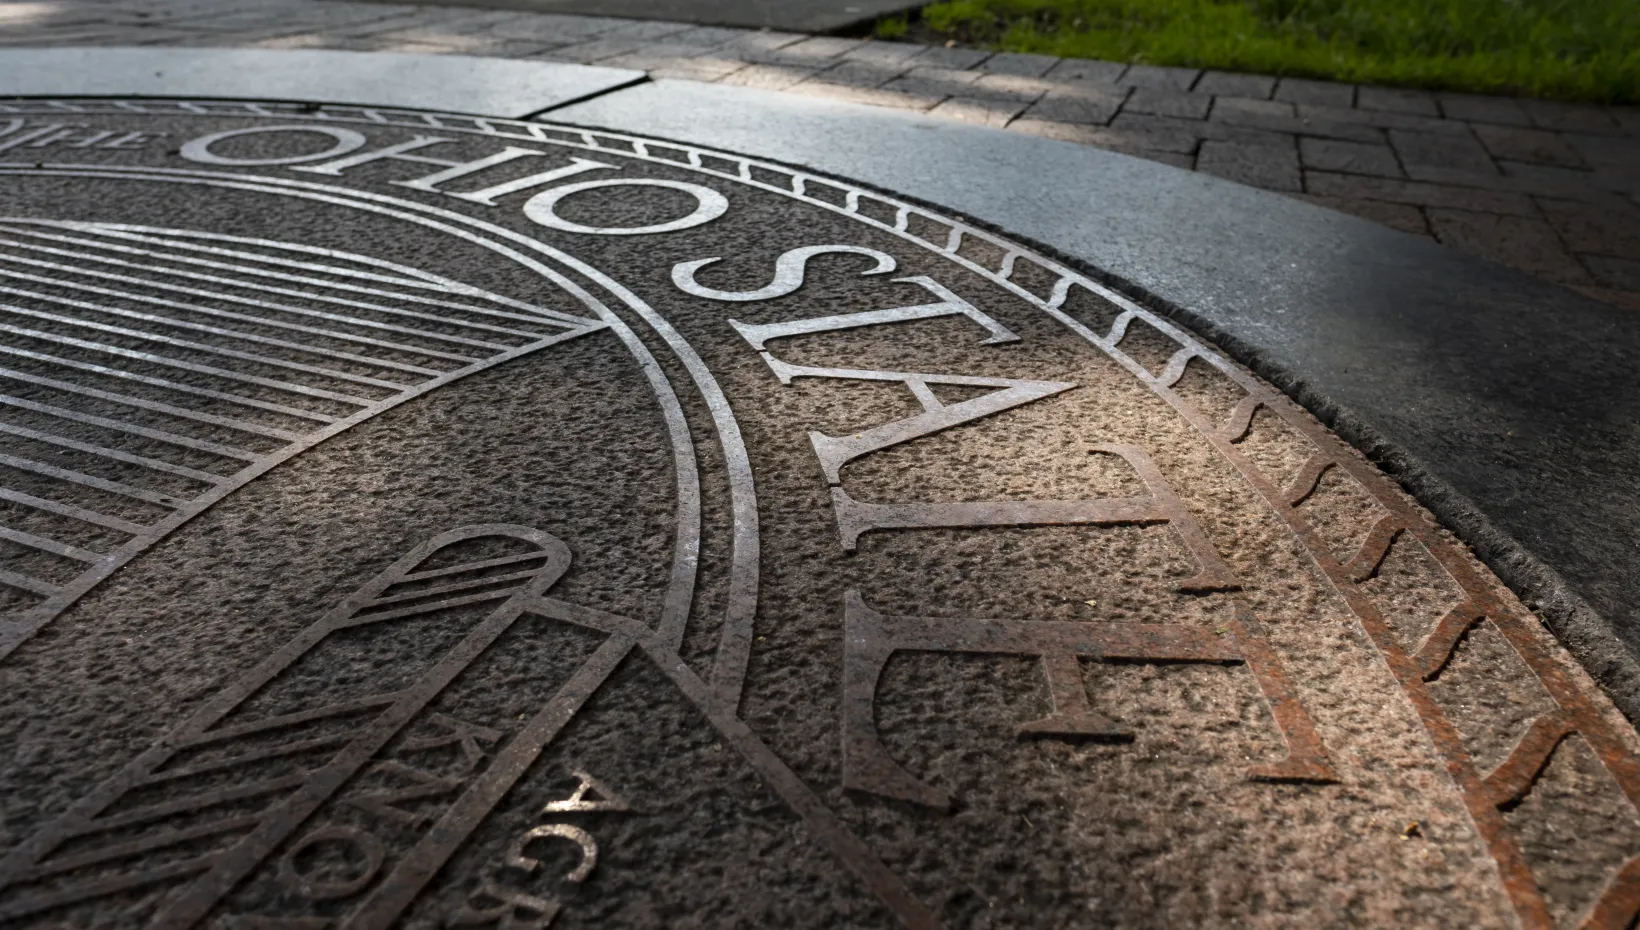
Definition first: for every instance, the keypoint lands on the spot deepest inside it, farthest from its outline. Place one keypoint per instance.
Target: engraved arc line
(681, 588)
(1501, 848)
(1344, 575)
(220, 871)
(740, 611)
(1512, 869)
(1523, 635)
(877, 876)
(1570, 688)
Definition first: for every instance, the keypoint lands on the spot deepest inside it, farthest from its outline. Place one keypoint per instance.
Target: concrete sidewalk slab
(488, 86)
(789, 15)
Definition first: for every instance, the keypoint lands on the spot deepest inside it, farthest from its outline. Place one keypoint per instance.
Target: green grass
(1564, 49)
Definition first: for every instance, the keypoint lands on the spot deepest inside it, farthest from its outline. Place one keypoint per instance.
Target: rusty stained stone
(445, 521)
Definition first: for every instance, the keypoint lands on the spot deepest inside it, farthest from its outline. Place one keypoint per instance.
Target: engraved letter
(131, 140)
(488, 195)
(458, 169)
(398, 151)
(576, 835)
(514, 910)
(29, 136)
(381, 802)
(604, 800)
(949, 304)
(788, 274)
(709, 205)
(835, 452)
(459, 733)
(1161, 506)
(361, 840)
(346, 140)
(870, 638)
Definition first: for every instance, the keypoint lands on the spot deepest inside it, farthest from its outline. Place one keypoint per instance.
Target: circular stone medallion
(432, 521)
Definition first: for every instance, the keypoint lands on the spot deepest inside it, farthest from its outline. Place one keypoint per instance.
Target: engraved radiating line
(107, 886)
(162, 339)
(128, 400)
(295, 748)
(402, 275)
(132, 428)
(49, 545)
(205, 328)
(295, 718)
(190, 805)
(405, 275)
(680, 594)
(168, 385)
(681, 590)
(114, 454)
(72, 512)
(339, 335)
(224, 868)
(140, 845)
(27, 583)
(389, 899)
(532, 313)
(169, 362)
(292, 292)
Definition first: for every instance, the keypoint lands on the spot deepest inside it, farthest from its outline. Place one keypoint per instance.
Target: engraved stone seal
(431, 521)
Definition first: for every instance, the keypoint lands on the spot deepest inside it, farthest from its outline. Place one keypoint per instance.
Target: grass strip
(1561, 49)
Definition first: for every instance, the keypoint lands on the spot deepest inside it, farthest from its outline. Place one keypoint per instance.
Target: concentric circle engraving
(429, 521)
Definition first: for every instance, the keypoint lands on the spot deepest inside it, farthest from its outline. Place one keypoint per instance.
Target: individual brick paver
(1521, 241)
(1549, 188)
(1169, 103)
(1397, 100)
(1317, 93)
(1224, 83)
(1350, 157)
(1458, 151)
(1270, 167)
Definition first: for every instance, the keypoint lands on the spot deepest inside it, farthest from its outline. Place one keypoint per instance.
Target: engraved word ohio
(605, 431)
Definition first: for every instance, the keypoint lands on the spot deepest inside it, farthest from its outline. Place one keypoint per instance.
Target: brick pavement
(1550, 188)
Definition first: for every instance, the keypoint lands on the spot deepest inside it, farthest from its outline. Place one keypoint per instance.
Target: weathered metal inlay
(424, 520)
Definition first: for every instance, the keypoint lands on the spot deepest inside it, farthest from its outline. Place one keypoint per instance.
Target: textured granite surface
(1141, 642)
(1504, 402)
